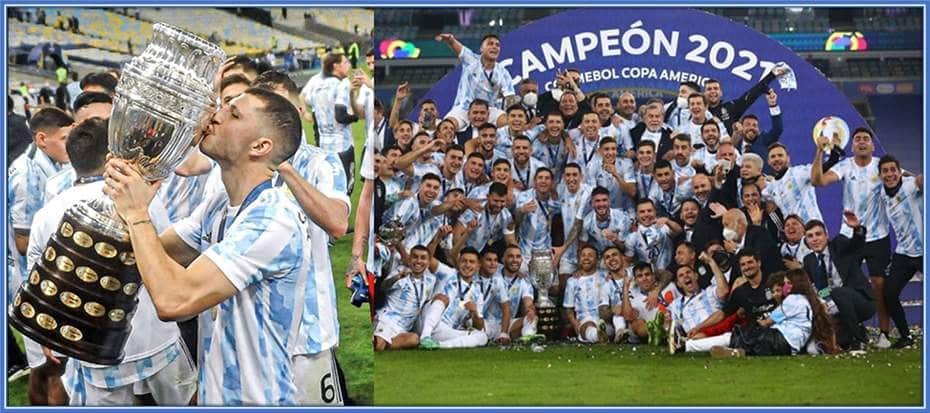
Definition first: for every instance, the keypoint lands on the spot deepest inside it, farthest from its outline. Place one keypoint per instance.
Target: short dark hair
(710, 122)
(748, 252)
(233, 79)
(645, 200)
(489, 250)
(420, 247)
(469, 250)
(87, 146)
(749, 116)
(606, 140)
(427, 101)
(274, 79)
(499, 161)
(487, 125)
(475, 154)
(489, 36)
(710, 80)
(777, 144)
(692, 85)
(517, 107)
(498, 189)
(599, 95)
(522, 138)
(245, 63)
(329, 61)
(556, 113)
(572, 165)
(863, 129)
(283, 121)
(600, 190)
(541, 170)
(480, 102)
(793, 216)
(646, 142)
(49, 118)
(886, 159)
(455, 147)
(430, 177)
(586, 246)
(104, 80)
(814, 223)
(88, 98)
(641, 266)
(662, 163)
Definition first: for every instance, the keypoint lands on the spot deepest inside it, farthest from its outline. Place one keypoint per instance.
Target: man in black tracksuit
(732, 110)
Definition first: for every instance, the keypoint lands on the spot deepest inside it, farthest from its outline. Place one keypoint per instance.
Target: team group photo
(623, 206)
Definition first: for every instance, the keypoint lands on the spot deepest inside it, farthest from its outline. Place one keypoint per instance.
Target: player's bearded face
(588, 259)
(514, 260)
(749, 267)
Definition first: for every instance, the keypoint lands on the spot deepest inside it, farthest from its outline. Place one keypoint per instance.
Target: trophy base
(550, 322)
(86, 352)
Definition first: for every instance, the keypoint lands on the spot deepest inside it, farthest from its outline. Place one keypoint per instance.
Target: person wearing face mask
(652, 128)
(739, 235)
(834, 269)
(677, 112)
(528, 90)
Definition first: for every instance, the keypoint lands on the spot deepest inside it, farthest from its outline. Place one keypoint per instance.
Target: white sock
(590, 334)
(431, 317)
(619, 323)
(529, 327)
(475, 338)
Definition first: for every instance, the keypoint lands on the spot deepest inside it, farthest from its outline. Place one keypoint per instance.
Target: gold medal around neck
(86, 274)
(66, 229)
(110, 283)
(64, 264)
(27, 310)
(71, 333)
(46, 321)
(70, 300)
(94, 309)
(83, 240)
(105, 250)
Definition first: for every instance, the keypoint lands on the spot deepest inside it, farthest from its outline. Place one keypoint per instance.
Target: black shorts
(877, 255)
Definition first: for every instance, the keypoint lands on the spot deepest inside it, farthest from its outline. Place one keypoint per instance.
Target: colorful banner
(650, 51)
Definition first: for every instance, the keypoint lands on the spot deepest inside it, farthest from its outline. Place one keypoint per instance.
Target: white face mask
(530, 99)
(682, 102)
(730, 234)
(557, 94)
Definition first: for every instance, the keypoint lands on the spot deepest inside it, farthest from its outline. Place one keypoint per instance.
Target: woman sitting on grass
(800, 315)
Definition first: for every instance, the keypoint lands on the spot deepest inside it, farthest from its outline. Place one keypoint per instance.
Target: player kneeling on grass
(496, 309)
(644, 308)
(523, 326)
(583, 299)
(406, 291)
(800, 315)
(457, 299)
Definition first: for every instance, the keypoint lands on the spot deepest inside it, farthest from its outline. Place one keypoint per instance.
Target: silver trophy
(543, 276)
(391, 231)
(80, 297)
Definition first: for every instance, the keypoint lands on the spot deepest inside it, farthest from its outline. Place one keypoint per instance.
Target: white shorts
(173, 385)
(387, 330)
(492, 329)
(461, 116)
(317, 379)
(34, 355)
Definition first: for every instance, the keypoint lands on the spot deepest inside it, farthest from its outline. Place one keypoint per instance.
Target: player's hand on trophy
(131, 193)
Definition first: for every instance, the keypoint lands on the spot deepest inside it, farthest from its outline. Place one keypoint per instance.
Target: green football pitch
(627, 375)
(355, 353)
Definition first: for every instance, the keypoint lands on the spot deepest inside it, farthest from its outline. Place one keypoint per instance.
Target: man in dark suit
(752, 140)
(833, 266)
(738, 235)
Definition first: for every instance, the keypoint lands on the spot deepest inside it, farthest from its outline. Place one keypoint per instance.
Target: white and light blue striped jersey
(650, 244)
(446, 184)
(624, 141)
(592, 230)
(264, 254)
(583, 294)
(525, 174)
(553, 156)
(683, 175)
(333, 136)
(494, 293)
(644, 183)
(319, 322)
(59, 182)
(596, 175)
(181, 194)
(392, 189)
(638, 300)
(798, 251)
(518, 288)
(706, 157)
(405, 299)
(574, 206)
(862, 192)
(670, 201)
(24, 196)
(611, 292)
(505, 137)
(585, 150)
(794, 193)
(366, 99)
(693, 130)
(534, 232)
(125, 373)
(690, 311)
(794, 319)
(476, 83)
(459, 293)
(420, 169)
(490, 227)
(418, 221)
(906, 213)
